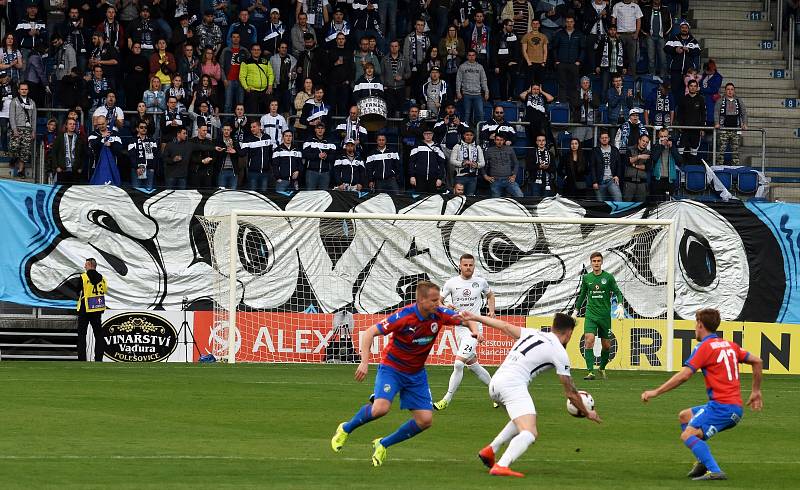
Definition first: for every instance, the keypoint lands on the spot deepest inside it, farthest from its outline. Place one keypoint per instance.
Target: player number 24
(731, 364)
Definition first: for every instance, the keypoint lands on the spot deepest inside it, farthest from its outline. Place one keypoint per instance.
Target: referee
(91, 305)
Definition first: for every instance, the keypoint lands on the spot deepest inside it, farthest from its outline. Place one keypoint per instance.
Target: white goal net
(301, 286)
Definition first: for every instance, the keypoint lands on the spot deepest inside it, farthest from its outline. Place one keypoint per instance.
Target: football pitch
(269, 426)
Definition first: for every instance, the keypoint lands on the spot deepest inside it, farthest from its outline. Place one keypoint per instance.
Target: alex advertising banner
(637, 344)
(641, 344)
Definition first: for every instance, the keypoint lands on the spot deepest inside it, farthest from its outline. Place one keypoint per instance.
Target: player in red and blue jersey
(402, 369)
(719, 361)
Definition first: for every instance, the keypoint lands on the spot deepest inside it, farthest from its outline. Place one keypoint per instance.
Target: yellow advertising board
(640, 343)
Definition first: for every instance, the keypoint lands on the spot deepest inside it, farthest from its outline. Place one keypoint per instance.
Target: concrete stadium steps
(728, 44)
(733, 27)
(770, 96)
(784, 192)
(718, 31)
(701, 10)
(732, 17)
(756, 84)
(775, 161)
(772, 141)
(752, 72)
(784, 175)
(776, 114)
(773, 100)
(747, 57)
(5, 170)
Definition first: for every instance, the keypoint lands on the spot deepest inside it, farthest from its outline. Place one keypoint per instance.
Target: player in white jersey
(466, 292)
(533, 353)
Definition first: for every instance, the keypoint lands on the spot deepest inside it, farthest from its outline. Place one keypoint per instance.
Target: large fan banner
(742, 258)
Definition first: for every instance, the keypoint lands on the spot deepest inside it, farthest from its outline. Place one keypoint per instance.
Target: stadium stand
(738, 44)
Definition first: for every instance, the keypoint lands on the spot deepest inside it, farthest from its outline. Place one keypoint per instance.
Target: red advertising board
(308, 337)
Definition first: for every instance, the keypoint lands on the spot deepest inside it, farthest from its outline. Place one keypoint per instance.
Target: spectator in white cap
(275, 33)
(633, 126)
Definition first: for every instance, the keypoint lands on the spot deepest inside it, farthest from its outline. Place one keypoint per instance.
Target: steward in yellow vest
(91, 305)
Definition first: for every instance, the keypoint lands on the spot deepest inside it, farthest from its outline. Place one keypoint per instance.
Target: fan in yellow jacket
(257, 78)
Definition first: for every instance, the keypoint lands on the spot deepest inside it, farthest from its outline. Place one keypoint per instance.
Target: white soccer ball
(588, 402)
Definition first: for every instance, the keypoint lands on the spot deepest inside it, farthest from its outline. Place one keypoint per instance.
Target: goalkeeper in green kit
(596, 289)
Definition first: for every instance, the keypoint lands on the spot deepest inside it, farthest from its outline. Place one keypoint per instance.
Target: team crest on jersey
(434, 327)
(475, 285)
(604, 280)
(387, 388)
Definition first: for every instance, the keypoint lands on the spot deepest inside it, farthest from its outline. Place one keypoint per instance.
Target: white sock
(516, 447)
(481, 372)
(505, 435)
(455, 380)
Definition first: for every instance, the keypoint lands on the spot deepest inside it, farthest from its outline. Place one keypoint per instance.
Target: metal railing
(767, 9)
(779, 25)
(41, 175)
(596, 129)
(790, 60)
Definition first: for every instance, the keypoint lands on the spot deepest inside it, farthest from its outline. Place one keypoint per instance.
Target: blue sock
(702, 453)
(361, 417)
(405, 431)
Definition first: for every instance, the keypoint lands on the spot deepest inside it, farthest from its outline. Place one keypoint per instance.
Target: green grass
(260, 426)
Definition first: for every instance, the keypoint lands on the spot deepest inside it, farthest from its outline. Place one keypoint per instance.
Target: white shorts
(467, 344)
(514, 396)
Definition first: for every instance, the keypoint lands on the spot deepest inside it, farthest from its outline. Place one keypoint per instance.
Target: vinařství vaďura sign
(139, 337)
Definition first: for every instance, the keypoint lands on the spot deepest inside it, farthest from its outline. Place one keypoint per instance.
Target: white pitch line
(200, 457)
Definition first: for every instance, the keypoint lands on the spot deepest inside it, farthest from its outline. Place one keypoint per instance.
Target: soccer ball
(588, 402)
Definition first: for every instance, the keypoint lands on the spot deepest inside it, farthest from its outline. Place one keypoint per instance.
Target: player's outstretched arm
(490, 304)
(575, 398)
(366, 343)
(755, 402)
(505, 327)
(676, 380)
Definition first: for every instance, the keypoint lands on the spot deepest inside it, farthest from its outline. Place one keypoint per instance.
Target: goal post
(283, 279)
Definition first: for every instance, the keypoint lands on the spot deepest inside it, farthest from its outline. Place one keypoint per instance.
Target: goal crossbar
(669, 224)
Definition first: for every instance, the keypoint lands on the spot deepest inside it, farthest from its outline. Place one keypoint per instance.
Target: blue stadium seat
(391, 131)
(521, 176)
(551, 87)
(597, 84)
(559, 112)
(487, 110)
(646, 85)
(726, 177)
(642, 62)
(603, 110)
(522, 139)
(511, 110)
(562, 141)
(521, 144)
(627, 83)
(747, 181)
(41, 125)
(694, 178)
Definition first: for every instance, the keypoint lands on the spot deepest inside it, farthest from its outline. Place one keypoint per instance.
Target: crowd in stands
(265, 95)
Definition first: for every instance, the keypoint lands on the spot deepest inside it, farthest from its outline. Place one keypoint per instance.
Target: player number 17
(732, 365)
